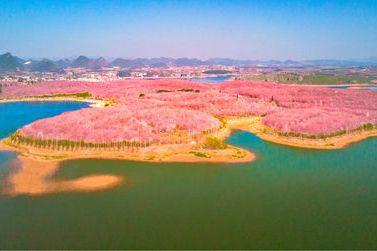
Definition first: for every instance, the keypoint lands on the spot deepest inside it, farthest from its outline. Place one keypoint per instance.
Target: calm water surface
(217, 79)
(288, 198)
(372, 88)
(17, 114)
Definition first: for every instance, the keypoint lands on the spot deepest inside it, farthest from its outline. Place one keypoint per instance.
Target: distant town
(17, 70)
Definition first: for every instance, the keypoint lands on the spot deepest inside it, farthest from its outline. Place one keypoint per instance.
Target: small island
(176, 121)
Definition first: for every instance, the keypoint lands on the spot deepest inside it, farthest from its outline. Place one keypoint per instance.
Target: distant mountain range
(8, 62)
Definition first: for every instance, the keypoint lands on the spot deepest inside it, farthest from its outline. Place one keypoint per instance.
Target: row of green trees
(69, 145)
(61, 95)
(364, 127)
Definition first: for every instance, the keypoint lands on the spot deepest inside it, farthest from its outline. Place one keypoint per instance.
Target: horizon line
(186, 57)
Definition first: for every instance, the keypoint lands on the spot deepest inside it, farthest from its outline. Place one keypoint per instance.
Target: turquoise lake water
(289, 198)
(216, 79)
(17, 114)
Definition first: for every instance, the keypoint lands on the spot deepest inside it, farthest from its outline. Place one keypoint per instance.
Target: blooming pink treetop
(146, 109)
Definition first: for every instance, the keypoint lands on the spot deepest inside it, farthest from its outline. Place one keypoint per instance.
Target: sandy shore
(34, 178)
(154, 153)
(38, 165)
(254, 125)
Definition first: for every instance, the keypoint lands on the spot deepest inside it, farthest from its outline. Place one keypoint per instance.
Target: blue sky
(243, 29)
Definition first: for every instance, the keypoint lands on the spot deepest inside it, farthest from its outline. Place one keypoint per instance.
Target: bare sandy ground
(34, 178)
(38, 165)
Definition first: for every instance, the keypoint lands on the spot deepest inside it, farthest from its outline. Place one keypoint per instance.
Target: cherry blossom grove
(145, 110)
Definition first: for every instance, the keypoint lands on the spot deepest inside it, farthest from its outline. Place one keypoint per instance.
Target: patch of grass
(163, 90)
(57, 156)
(200, 154)
(328, 79)
(214, 143)
(83, 95)
(239, 155)
(312, 79)
(76, 95)
(189, 90)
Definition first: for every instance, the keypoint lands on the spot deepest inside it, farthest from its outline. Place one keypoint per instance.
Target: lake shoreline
(32, 157)
(30, 179)
(34, 177)
(92, 102)
(33, 180)
(254, 125)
